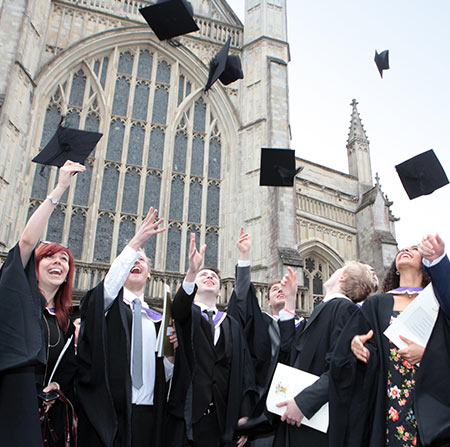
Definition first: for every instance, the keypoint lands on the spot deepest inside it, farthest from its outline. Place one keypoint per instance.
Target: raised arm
(289, 286)
(242, 283)
(40, 217)
(182, 302)
(432, 249)
(120, 268)
(238, 306)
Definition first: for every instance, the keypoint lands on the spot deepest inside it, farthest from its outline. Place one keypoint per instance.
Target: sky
(332, 46)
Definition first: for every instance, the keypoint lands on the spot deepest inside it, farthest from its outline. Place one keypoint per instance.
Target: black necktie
(210, 314)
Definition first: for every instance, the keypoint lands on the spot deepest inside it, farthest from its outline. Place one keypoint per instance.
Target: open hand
(358, 348)
(195, 259)
(289, 286)
(149, 227)
(431, 247)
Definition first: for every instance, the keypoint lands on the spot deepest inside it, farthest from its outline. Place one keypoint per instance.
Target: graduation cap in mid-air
(170, 18)
(68, 144)
(224, 66)
(278, 167)
(422, 174)
(382, 61)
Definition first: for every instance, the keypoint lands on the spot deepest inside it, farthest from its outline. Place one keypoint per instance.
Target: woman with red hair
(36, 334)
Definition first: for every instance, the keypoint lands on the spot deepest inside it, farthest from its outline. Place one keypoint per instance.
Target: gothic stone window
(315, 273)
(144, 159)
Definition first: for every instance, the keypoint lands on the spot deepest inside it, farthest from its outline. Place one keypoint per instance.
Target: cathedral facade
(168, 144)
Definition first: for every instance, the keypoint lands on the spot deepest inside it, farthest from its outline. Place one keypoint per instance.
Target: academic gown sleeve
(22, 346)
(93, 381)
(432, 393)
(440, 278)
(312, 398)
(351, 386)
(244, 307)
(21, 306)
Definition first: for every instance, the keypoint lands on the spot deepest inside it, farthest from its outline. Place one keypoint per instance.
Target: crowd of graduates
(102, 382)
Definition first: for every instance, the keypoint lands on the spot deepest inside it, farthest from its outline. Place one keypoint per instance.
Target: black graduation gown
(309, 348)
(64, 376)
(358, 391)
(104, 380)
(256, 329)
(22, 347)
(241, 379)
(244, 307)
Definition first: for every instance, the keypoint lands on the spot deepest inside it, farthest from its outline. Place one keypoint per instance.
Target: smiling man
(213, 377)
(122, 384)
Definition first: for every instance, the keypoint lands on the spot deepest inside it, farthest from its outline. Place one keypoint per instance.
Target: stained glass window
(56, 225)
(176, 166)
(179, 158)
(103, 238)
(212, 250)
(195, 201)
(77, 227)
(115, 141)
(127, 229)
(109, 188)
(156, 150)
(131, 191)
(136, 145)
(77, 90)
(141, 101)
(177, 198)
(173, 248)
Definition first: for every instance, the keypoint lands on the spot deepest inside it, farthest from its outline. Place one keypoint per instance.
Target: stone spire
(358, 152)
(357, 132)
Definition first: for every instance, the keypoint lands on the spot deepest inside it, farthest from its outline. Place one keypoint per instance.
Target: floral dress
(401, 425)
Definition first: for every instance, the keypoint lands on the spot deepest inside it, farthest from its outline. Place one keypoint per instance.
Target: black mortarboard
(277, 167)
(68, 144)
(170, 18)
(421, 174)
(382, 61)
(225, 67)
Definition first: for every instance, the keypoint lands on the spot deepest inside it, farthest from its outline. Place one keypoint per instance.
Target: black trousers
(142, 425)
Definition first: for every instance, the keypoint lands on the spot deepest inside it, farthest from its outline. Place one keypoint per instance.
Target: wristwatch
(53, 200)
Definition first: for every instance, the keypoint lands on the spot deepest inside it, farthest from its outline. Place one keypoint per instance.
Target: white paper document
(287, 382)
(416, 322)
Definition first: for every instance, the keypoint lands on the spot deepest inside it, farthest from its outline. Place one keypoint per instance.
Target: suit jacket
(104, 381)
(241, 379)
(310, 348)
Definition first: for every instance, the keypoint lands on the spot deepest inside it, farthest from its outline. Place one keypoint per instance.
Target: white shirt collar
(332, 296)
(204, 307)
(130, 296)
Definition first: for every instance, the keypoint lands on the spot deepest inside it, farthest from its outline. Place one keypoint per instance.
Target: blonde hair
(358, 284)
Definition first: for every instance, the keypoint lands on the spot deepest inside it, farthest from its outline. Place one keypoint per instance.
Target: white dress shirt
(189, 287)
(114, 280)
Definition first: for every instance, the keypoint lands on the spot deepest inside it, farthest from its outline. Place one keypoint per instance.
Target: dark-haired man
(262, 333)
(213, 379)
